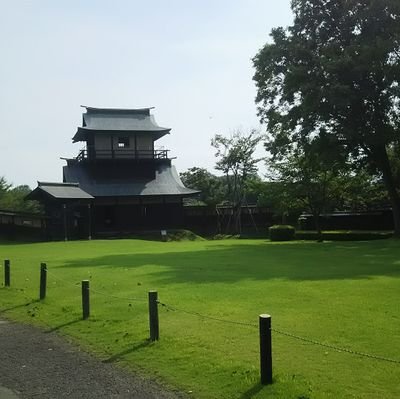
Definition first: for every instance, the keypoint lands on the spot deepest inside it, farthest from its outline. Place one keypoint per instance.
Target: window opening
(123, 142)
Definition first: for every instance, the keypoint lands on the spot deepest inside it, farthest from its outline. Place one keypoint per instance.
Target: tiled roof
(59, 191)
(166, 182)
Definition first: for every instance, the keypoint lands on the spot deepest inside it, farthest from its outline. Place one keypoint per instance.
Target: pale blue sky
(189, 59)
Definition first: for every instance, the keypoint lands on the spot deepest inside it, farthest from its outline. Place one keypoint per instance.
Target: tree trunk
(391, 188)
(318, 226)
(395, 201)
(238, 221)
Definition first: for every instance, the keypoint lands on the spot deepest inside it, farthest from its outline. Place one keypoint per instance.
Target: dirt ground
(38, 364)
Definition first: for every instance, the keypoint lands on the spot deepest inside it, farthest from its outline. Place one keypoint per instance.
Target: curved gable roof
(128, 121)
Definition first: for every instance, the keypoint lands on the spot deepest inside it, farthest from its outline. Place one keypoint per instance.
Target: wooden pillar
(136, 154)
(182, 214)
(65, 222)
(166, 216)
(89, 222)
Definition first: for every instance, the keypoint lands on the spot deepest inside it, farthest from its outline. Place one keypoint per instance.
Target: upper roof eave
(156, 130)
(102, 109)
(81, 133)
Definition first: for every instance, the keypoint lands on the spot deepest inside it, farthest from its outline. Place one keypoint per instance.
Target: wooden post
(265, 349)
(153, 316)
(85, 299)
(43, 280)
(6, 272)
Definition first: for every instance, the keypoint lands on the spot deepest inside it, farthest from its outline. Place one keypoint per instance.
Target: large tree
(335, 72)
(311, 180)
(236, 160)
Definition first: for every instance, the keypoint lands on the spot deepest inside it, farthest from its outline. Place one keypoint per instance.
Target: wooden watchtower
(129, 184)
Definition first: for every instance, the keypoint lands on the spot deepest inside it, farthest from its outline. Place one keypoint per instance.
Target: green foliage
(360, 191)
(279, 197)
(281, 232)
(316, 291)
(256, 188)
(309, 181)
(335, 73)
(12, 198)
(211, 187)
(4, 186)
(237, 162)
(236, 154)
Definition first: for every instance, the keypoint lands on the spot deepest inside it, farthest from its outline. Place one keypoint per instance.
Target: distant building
(118, 183)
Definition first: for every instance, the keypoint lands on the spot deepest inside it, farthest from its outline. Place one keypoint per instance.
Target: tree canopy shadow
(232, 263)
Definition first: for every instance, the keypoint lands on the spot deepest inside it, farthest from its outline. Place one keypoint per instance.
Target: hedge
(343, 235)
(281, 232)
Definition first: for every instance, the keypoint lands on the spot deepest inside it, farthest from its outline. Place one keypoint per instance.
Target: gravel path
(36, 364)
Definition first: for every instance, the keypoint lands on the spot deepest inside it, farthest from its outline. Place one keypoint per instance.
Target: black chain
(175, 309)
(95, 291)
(308, 340)
(336, 348)
(244, 324)
(62, 280)
(116, 296)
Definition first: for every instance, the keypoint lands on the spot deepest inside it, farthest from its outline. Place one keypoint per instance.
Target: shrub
(344, 235)
(281, 232)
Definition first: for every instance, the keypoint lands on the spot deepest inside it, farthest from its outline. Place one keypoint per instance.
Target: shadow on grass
(252, 391)
(22, 305)
(14, 243)
(232, 262)
(134, 348)
(69, 323)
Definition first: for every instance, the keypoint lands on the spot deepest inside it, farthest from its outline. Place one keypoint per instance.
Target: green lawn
(345, 294)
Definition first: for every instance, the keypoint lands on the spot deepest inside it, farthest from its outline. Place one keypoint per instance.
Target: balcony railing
(92, 154)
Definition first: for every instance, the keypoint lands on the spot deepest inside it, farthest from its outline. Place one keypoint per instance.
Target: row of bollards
(264, 319)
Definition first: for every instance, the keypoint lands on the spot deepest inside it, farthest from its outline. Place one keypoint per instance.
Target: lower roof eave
(148, 195)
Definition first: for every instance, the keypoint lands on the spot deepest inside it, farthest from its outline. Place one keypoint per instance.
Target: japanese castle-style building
(118, 183)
